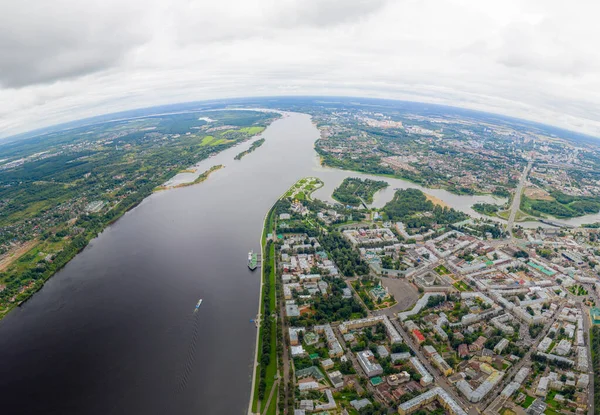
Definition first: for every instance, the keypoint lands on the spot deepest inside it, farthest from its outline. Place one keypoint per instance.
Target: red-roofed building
(463, 350)
(418, 336)
(477, 344)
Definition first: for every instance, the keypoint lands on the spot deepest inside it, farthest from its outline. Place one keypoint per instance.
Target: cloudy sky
(62, 60)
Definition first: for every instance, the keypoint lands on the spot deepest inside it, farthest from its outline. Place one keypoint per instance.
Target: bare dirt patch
(535, 193)
(15, 253)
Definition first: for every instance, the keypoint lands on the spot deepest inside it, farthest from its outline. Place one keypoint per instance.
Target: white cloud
(67, 59)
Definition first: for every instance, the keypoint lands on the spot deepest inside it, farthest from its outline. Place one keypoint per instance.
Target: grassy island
(253, 147)
(354, 191)
(203, 176)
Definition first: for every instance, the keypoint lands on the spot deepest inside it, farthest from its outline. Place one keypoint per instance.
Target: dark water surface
(114, 332)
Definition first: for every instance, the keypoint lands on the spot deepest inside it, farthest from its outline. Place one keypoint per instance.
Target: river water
(114, 332)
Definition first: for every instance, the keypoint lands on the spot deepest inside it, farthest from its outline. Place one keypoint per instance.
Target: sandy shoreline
(436, 201)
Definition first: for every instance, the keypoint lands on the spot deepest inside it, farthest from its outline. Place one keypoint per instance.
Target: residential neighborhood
(378, 321)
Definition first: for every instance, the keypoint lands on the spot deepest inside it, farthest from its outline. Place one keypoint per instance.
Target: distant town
(466, 156)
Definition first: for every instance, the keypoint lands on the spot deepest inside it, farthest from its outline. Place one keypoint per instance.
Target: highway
(516, 203)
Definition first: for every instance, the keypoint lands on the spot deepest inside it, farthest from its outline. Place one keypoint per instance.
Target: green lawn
(578, 290)
(528, 401)
(272, 410)
(220, 141)
(442, 270)
(461, 286)
(252, 130)
(504, 214)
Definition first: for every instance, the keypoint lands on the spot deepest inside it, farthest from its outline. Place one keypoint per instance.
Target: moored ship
(252, 260)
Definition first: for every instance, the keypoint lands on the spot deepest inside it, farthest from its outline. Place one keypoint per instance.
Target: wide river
(114, 332)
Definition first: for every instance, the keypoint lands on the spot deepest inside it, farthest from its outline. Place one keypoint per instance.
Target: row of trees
(595, 347)
(266, 322)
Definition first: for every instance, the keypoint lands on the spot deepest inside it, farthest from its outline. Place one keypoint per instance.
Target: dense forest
(412, 207)
(563, 205)
(347, 258)
(331, 308)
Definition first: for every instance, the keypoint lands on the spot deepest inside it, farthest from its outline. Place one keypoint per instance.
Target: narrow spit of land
(253, 147)
(198, 179)
(268, 355)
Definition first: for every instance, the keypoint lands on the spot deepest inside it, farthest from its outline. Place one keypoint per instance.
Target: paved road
(526, 360)
(439, 378)
(587, 326)
(516, 203)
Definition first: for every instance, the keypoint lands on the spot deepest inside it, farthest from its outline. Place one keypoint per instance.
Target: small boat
(198, 305)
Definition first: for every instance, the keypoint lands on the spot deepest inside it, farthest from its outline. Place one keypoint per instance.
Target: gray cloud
(540, 47)
(48, 41)
(68, 59)
(323, 13)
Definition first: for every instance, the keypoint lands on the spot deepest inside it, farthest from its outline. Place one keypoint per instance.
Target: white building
(367, 361)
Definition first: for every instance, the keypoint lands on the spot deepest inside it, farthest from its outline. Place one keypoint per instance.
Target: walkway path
(270, 397)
